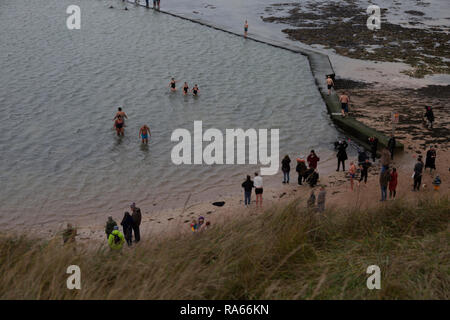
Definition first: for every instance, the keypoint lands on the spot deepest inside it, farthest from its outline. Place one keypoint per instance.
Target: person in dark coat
(391, 146)
(362, 156)
(429, 115)
(248, 187)
(341, 153)
(430, 161)
(313, 178)
(312, 160)
(373, 141)
(137, 216)
(110, 224)
(286, 168)
(301, 170)
(418, 169)
(127, 225)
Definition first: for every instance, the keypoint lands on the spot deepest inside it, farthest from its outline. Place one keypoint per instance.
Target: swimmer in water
(121, 114)
(245, 28)
(172, 85)
(195, 90)
(185, 88)
(144, 133)
(118, 124)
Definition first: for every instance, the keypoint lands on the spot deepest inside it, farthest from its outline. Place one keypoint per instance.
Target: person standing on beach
(373, 141)
(127, 225)
(144, 133)
(313, 159)
(391, 146)
(110, 224)
(418, 169)
(385, 159)
(245, 28)
(116, 239)
(364, 171)
(393, 184)
(301, 170)
(430, 161)
(429, 115)
(248, 187)
(352, 174)
(344, 99)
(286, 168)
(321, 199)
(385, 176)
(258, 184)
(330, 84)
(137, 217)
(341, 155)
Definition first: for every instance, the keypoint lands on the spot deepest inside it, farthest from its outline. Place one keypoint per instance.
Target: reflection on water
(60, 157)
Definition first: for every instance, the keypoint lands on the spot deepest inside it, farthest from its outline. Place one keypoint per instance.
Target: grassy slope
(285, 253)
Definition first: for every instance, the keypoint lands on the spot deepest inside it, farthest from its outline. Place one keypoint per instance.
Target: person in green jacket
(110, 224)
(116, 239)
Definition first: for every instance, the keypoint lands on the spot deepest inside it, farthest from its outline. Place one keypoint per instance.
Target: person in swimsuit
(172, 85)
(352, 173)
(144, 133)
(344, 99)
(185, 88)
(118, 124)
(245, 28)
(330, 84)
(121, 114)
(195, 90)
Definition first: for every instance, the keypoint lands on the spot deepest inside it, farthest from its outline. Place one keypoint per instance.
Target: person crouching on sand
(344, 100)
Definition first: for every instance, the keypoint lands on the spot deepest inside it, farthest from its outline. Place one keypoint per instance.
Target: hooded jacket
(111, 242)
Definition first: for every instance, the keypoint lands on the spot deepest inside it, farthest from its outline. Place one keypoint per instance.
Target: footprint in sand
(169, 219)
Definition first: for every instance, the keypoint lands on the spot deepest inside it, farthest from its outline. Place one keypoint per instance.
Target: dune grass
(286, 252)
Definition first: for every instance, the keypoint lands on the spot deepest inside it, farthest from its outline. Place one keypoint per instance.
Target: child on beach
(352, 174)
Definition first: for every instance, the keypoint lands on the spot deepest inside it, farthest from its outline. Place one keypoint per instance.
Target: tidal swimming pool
(60, 89)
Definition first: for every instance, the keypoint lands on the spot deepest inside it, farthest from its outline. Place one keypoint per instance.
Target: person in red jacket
(312, 160)
(393, 184)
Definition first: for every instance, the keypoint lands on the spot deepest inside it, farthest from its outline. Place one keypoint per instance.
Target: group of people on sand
(119, 124)
(248, 185)
(130, 224)
(173, 87)
(200, 225)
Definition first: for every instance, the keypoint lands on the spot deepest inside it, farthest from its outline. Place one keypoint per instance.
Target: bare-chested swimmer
(185, 89)
(195, 90)
(118, 124)
(122, 114)
(172, 85)
(344, 99)
(330, 84)
(144, 133)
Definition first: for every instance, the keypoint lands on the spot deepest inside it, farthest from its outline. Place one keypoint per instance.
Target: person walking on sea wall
(341, 155)
(393, 184)
(248, 187)
(286, 168)
(137, 217)
(313, 159)
(417, 176)
(330, 84)
(116, 239)
(430, 161)
(127, 225)
(385, 176)
(301, 170)
(110, 224)
(321, 199)
(258, 183)
(391, 146)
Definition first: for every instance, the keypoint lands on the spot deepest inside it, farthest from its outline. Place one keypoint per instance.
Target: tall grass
(287, 252)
